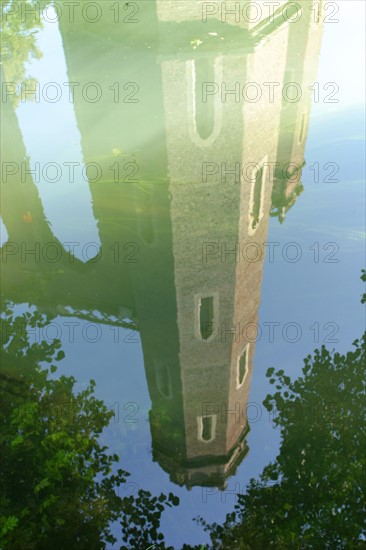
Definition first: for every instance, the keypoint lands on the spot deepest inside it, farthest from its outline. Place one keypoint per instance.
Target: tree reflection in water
(58, 483)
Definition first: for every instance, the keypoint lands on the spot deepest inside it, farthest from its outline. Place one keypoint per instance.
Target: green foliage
(142, 528)
(19, 41)
(363, 277)
(58, 483)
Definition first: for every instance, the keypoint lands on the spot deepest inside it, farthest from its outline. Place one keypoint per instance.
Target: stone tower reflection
(227, 159)
(211, 168)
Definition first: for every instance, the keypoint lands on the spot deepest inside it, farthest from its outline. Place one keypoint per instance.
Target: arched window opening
(204, 100)
(206, 316)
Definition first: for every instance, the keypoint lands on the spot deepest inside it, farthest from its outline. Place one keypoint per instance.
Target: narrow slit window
(207, 428)
(242, 366)
(318, 12)
(204, 77)
(163, 381)
(257, 198)
(206, 317)
(302, 128)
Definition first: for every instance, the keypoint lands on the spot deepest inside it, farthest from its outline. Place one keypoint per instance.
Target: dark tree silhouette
(58, 483)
